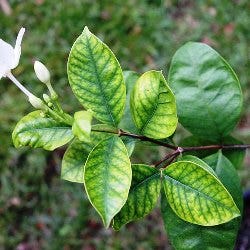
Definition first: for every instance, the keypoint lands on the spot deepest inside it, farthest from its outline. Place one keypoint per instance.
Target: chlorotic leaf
(196, 195)
(127, 122)
(107, 177)
(76, 155)
(96, 78)
(74, 160)
(143, 195)
(153, 106)
(82, 125)
(186, 236)
(207, 91)
(41, 132)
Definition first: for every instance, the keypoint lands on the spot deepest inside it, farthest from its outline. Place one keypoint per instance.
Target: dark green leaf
(208, 92)
(107, 177)
(41, 132)
(153, 106)
(96, 78)
(143, 195)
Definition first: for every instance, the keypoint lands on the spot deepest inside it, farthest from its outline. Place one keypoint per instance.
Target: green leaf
(74, 160)
(153, 106)
(227, 175)
(76, 155)
(184, 235)
(235, 156)
(96, 78)
(143, 195)
(107, 177)
(207, 91)
(196, 195)
(82, 125)
(41, 132)
(127, 122)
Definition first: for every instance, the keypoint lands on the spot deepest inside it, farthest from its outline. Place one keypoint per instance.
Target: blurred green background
(38, 210)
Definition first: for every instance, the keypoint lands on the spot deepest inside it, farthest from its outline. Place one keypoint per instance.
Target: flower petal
(17, 49)
(7, 57)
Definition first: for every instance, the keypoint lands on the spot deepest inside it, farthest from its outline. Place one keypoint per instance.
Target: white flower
(9, 59)
(9, 56)
(42, 72)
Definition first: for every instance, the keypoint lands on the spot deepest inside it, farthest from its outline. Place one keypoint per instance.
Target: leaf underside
(41, 132)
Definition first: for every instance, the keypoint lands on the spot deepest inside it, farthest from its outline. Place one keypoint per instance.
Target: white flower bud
(36, 102)
(42, 72)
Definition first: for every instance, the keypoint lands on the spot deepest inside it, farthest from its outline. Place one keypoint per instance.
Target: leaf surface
(82, 125)
(96, 78)
(41, 132)
(153, 106)
(143, 195)
(186, 236)
(207, 91)
(196, 195)
(107, 177)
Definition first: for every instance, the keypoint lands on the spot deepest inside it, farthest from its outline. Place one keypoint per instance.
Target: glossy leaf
(143, 195)
(41, 132)
(96, 78)
(207, 91)
(153, 106)
(107, 177)
(82, 125)
(196, 195)
(127, 122)
(186, 236)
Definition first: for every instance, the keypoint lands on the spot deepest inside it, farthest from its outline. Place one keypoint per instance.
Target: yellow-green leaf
(153, 106)
(143, 195)
(96, 78)
(107, 177)
(196, 195)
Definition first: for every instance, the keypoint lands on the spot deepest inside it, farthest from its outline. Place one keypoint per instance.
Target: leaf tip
(86, 30)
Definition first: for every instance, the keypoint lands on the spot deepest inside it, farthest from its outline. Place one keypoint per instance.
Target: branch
(179, 150)
(145, 138)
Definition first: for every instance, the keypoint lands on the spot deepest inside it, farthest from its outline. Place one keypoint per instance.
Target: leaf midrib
(99, 81)
(199, 193)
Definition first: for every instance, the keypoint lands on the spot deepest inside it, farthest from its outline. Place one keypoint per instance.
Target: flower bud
(42, 72)
(36, 102)
(46, 98)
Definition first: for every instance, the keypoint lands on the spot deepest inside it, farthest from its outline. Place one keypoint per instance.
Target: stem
(171, 156)
(19, 85)
(145, 138)
(211, 147)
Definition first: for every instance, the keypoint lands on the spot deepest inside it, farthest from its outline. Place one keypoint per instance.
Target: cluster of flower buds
(9, 59)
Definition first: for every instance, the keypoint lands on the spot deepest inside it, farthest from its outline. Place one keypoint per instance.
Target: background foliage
(37, 209)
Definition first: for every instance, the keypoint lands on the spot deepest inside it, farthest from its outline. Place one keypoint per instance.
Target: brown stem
(145, 138)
